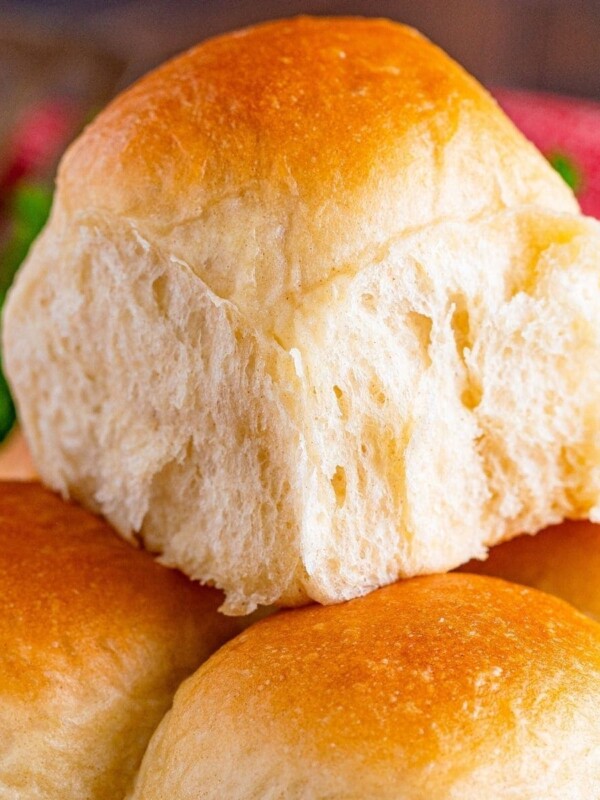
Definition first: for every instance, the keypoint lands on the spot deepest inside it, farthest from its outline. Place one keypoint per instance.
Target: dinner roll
(94, 639)
(309, 315)
(563, 560)
(15, 460)
(453, 687)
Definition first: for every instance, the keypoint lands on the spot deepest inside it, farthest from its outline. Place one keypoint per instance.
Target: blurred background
(60, 62)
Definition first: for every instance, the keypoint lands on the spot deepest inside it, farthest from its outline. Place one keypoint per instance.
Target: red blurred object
(38, 136)
(563, 127)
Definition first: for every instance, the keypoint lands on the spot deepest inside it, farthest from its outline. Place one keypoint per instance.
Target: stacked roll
(309, 317)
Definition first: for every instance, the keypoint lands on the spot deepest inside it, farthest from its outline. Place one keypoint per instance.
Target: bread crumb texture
(310, 315)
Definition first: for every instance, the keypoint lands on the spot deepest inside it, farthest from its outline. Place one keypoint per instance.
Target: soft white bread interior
(452, 687)
(310, 315)
(563, 560)
(95, 638)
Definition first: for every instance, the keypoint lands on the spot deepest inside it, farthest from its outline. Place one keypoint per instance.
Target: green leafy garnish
(567, 169)
(7, 408)
(28, 209)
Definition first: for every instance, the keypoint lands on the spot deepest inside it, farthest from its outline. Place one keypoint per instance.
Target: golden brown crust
(307, 135)
(94, 639)
(563, 560)
(423, 635)
(306, 102)
(431, 685)
(66, 577)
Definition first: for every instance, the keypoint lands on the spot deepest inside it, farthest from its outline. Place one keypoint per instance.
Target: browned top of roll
(451, 686)
(71, 588)
(342, 132)
(563, 560)
(95, 637)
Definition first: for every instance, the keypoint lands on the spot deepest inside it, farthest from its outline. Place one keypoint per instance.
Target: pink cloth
(563, 127)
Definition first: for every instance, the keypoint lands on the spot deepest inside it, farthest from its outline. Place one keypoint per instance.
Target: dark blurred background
(552, 45)
(60, 62)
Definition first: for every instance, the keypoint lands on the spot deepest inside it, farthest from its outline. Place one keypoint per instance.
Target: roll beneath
(95, 637)
(454, 687)
(563, 560)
